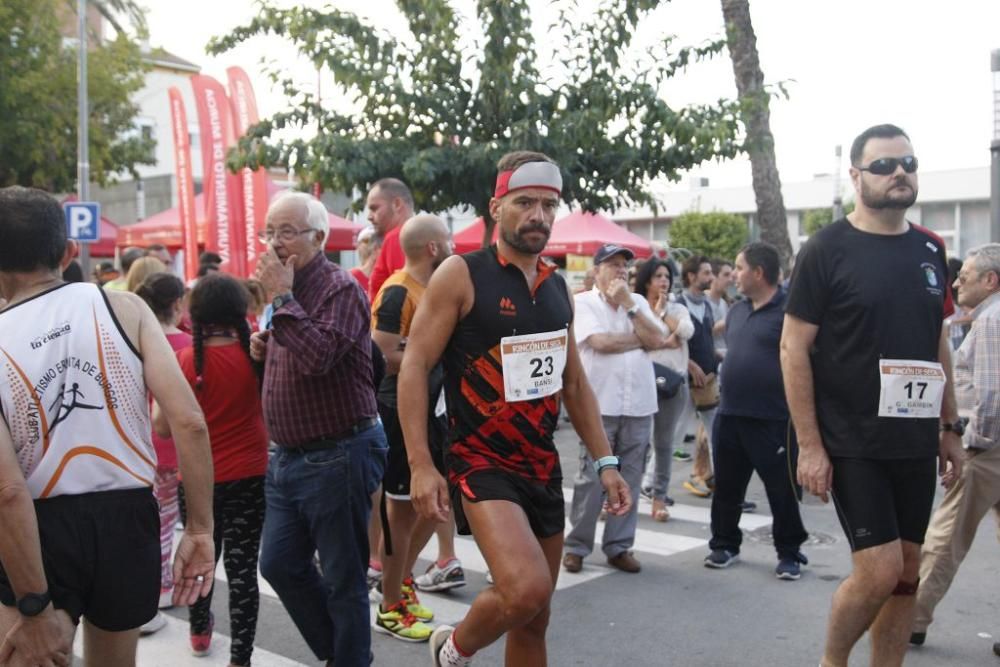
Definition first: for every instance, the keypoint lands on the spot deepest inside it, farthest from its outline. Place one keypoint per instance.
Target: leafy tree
(816, 219)
(438, 114)
(38, 105)
(715, 234)
(756, 117)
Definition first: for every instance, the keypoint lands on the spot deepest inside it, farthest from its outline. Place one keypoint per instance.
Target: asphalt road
(675, 612)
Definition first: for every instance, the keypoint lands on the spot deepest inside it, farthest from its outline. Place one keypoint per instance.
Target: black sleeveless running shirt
(487, 432)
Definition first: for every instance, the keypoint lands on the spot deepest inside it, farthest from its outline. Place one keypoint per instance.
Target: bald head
(420, 230)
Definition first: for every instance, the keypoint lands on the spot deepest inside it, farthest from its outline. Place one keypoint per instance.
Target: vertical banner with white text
(254, 183)
(223, 190)
(185, 183)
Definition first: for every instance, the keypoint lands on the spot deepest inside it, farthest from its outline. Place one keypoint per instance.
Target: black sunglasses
(885, 166)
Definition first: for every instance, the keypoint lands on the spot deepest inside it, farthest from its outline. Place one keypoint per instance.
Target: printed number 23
(909, 389)
(537, 363)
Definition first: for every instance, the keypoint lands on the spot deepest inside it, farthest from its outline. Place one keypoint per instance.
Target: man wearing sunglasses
(867, 372)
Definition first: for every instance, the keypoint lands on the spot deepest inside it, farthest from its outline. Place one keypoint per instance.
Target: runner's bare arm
(19, 543)
(585, 414)
(950, 447)
(448, 298)
(814, 471)
(164, 379)
(36, 639)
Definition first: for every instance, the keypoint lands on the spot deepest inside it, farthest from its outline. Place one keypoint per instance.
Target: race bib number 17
(533, 364)
(910, 388)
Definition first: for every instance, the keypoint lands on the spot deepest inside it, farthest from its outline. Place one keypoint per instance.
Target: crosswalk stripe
(170, 647)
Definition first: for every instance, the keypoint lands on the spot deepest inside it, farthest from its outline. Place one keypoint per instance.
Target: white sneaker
(443, 653)
(442, 578)
(154, 624)
(166, 598)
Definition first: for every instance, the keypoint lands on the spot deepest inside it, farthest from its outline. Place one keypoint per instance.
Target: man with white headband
(501, 320)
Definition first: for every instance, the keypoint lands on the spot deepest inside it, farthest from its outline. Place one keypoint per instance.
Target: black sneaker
(918, 638)
(668, 501)
(790, 568)
(748, 507)
(721, 558)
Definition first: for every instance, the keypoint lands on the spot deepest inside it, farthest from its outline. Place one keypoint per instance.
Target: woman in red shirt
(224, 379)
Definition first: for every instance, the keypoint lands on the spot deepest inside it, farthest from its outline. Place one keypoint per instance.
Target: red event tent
(165, 227)
(579, 233)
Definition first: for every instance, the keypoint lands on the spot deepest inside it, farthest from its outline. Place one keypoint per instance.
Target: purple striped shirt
(318, 372)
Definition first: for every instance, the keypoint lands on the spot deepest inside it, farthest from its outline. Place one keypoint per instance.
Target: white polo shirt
(623, 382)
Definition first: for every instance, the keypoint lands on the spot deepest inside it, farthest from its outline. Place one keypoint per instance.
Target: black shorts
(881, 500)
(101, 553)
(543, 504)
(396, 480)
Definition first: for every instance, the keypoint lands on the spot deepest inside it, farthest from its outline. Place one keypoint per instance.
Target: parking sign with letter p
(83, 221)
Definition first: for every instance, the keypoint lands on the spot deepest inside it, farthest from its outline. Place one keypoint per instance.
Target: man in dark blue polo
(752, 428)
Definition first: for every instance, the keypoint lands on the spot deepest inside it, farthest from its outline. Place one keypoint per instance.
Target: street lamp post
(83, 148)
(995, 151)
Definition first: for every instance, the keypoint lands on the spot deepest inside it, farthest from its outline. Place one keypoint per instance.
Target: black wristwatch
(33, 604)
(281, 300)
(958, 427)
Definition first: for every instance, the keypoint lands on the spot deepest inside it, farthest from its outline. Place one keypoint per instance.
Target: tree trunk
(756, 117)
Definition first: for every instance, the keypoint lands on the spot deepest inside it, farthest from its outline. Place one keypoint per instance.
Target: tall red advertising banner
(254, 183)
(223, 189)
(185, 182)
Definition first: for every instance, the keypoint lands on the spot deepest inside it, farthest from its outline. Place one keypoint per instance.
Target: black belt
(329, 441)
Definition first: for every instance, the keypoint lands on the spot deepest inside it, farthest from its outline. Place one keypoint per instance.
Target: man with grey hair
(977, 387)
(319, 409)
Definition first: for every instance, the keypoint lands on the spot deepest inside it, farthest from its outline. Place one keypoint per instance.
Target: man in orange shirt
(390, 204)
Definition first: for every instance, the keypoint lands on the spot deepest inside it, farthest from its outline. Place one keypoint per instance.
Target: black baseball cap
(609, 250)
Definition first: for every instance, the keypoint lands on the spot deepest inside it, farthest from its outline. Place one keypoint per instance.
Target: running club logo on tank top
(73, 395)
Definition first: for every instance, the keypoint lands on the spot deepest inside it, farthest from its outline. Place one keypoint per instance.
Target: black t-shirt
(751, 376)
(873, 297)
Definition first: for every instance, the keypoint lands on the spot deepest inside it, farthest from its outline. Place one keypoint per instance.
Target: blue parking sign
(83, 221)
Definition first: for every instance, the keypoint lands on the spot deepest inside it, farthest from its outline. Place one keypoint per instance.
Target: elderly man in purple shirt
(319, 407)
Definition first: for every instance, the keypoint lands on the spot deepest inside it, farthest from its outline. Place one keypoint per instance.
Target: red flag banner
(254, 182)
(185, 183)
(223, 196)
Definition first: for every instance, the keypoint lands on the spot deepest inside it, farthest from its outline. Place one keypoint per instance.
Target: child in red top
(224, 379)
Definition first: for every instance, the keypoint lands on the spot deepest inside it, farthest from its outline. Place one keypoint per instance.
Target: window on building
(974, 225)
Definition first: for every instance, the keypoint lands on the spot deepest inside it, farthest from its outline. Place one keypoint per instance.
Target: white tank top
(73, 394)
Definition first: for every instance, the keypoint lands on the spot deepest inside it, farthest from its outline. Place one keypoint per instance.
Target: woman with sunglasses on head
(225, 383)
(654, 281)
(164, 293)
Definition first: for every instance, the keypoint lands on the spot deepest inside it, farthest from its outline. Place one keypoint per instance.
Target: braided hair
(218, 301)
(161, 291)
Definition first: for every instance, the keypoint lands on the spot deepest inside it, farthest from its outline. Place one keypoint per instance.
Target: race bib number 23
(910, 388)
(533, 364)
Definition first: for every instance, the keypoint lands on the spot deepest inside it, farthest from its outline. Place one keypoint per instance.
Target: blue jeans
(320, 501)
